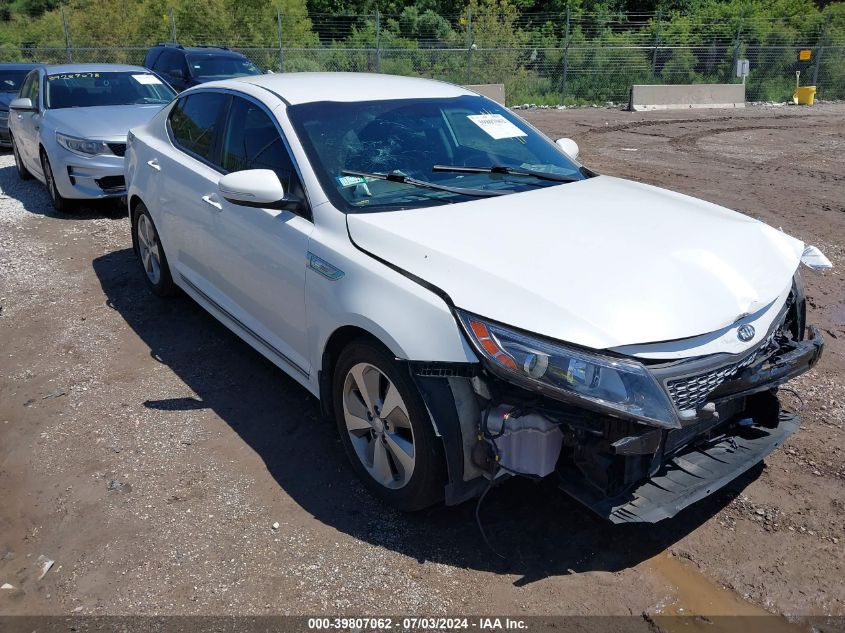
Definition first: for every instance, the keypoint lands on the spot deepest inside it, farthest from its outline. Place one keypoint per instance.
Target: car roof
(297, 88)
(201, 50)
(20, 66)
(90, 68)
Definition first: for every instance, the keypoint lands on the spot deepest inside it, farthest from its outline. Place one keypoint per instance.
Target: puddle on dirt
(697, 596)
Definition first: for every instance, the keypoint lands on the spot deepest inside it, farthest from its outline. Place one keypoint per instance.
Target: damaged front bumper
(688, 475)
(622, 469)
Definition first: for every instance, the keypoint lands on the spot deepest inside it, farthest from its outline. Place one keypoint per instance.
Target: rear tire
(151, 253)
(60, 204)
(23, 172)
(386, 429)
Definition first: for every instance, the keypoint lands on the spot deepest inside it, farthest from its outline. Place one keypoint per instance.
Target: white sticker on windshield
(496, 126)
(146, 79)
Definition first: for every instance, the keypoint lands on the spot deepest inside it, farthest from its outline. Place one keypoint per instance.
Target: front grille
(118, 149)
(111, 184)
(691, 392)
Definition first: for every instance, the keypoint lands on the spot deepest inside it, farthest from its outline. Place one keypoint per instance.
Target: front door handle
(154, 164)
(212, 200)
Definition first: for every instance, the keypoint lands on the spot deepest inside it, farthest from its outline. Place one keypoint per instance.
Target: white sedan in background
(467, 301)
(69, 124)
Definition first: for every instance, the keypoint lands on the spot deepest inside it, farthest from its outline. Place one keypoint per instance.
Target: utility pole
(68, 52)
(737, 44)
(563, 86)
(378, 41)
(281, 41)
(172, 26)
(654, 50)
(819, 51)
(469, 46)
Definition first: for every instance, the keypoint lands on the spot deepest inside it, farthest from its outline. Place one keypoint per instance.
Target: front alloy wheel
(385, 427)
(379, 426)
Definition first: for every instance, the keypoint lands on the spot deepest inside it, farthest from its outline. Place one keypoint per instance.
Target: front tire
(385, 428)
(151, 253)
(23, 172)
(60, 204)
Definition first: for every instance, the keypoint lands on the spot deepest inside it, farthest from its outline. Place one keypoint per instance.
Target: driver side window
(252, 141)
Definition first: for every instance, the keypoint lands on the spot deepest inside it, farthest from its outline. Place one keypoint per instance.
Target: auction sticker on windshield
(146, 79)
(497, 126)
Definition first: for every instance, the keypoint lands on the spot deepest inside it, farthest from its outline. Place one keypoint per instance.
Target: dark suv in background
(11, 78)
(186, 66)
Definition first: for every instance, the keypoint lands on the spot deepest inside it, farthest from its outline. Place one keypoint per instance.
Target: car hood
(602, 262)
(101, 122)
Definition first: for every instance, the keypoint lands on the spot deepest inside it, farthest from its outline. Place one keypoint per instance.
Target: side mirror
(259, 188)
(569, 147)
(23, 103)
(178, 73)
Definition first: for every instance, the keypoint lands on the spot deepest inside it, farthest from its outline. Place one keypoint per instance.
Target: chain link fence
(543, 59)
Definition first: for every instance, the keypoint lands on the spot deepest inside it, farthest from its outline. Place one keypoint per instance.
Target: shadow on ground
(540, 530)
(33, 196)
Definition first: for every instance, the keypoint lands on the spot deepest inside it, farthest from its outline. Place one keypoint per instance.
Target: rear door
(261, 254)
(188, 173)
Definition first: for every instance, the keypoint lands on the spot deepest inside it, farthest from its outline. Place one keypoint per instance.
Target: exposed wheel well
(134, 201)
(339, 339)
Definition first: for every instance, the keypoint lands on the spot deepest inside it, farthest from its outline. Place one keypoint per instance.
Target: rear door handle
(212, 200)
(154, 164)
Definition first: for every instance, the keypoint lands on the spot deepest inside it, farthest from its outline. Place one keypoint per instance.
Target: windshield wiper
(397, 176)
(502, 169)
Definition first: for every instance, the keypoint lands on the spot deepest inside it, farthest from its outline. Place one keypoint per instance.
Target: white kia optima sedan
(467, 301)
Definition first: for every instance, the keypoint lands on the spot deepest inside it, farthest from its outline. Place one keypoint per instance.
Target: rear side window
(251, 141)
(194, 122)
(170, 61)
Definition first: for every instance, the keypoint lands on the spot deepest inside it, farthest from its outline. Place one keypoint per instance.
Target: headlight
(82, 146)
(604, 383)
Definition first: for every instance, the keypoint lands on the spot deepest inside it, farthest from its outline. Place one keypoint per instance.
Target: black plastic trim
(688, 476)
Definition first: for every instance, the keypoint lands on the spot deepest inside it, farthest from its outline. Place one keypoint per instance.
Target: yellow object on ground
(805, 95)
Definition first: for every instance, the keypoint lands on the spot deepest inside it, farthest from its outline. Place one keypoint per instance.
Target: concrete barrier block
(680, 97)
(496, 92)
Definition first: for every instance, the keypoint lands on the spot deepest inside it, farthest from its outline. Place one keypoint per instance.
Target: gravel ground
(166, 468)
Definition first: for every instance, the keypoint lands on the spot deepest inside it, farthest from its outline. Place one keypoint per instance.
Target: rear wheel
(23, 172)
(385, 428)
(151, 253)
(60, 204)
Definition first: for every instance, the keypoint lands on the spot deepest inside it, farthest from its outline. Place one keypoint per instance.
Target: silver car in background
(69, 126)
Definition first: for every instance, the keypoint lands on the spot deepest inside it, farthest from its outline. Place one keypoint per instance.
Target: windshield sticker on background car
(497, 126)
(146, 79)
(74, 76)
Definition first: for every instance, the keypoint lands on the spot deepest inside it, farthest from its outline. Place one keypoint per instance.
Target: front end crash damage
(727, 418)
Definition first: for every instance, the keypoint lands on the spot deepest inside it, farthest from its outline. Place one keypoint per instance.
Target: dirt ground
(149, 452)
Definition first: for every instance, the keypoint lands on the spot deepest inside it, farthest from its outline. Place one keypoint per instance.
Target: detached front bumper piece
(689, 475)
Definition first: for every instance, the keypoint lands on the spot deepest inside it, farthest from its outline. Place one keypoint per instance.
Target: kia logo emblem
(745, 333)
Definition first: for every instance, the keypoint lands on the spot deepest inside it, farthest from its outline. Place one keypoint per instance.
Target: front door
(261, 257)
